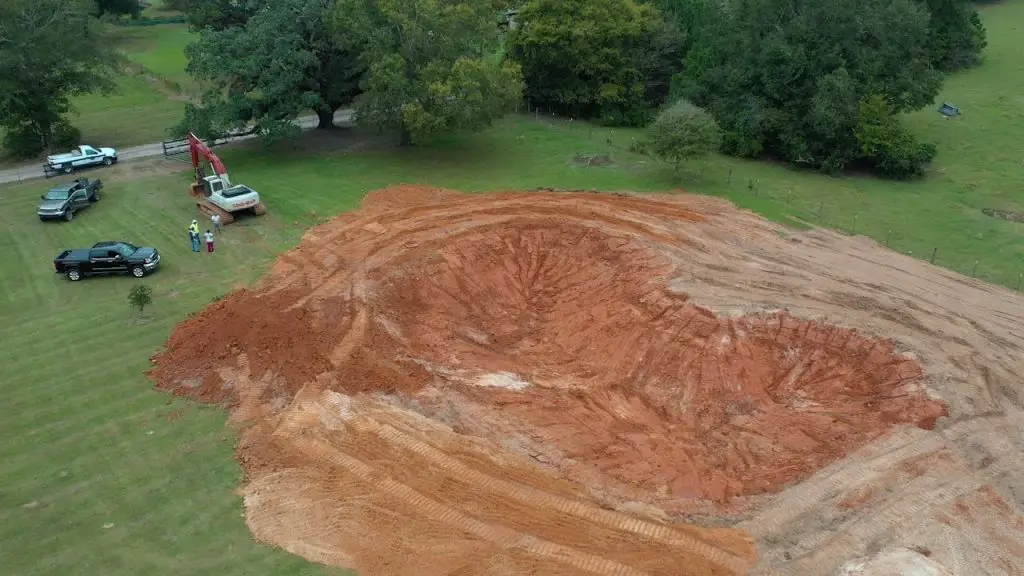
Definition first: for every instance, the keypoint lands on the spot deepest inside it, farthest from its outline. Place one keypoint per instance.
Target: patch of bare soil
(593, 159)
(543, 382)
(1003, 214)
(141, 168)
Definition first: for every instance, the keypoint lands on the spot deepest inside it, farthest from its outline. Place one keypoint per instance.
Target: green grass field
(160, 50)
(136, 113)
(102, 475)
(98, 476)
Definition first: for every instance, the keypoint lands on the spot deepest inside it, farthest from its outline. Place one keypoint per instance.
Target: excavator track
(209, 208)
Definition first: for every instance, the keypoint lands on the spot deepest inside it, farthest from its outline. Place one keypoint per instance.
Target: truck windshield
(57, 195)
(126, 249)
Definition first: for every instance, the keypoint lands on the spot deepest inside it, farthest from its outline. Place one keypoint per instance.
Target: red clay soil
(548, 325)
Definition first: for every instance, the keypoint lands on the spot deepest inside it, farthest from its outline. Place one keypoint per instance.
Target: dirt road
(549, 382)
(33, 171)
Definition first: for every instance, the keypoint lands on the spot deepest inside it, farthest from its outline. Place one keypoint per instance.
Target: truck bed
(81, 255)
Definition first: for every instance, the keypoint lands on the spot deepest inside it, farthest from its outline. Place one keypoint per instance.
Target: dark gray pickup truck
(106, 258)
(64, 200)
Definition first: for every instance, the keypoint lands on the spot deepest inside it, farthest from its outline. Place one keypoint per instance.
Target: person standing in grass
(193, 234)
(209, 241)
(216, 223)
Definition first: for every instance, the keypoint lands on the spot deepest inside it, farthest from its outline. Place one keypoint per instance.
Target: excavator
(215, 194)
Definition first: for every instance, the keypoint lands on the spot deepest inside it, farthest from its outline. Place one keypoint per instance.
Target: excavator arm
(200, 151)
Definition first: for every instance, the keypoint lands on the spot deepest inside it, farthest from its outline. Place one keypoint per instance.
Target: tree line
(820, 85)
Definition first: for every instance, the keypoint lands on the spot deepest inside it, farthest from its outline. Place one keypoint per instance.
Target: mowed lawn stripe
(77, 409)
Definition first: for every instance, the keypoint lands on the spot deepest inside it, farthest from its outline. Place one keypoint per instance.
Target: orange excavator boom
(198, 148)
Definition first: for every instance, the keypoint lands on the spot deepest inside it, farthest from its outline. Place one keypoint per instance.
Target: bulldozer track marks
(538, 498)
(439, 512)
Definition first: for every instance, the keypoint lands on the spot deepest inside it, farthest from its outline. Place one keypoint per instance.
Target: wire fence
(737, 181)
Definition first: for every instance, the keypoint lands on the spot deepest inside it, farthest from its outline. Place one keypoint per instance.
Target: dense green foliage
(119, 7)
(789, 80)
(50, 51)
(430, 65)
(606, 59)
(818, 85)
(264, 73)
(956, 35)
(683, 131)
(216, 14)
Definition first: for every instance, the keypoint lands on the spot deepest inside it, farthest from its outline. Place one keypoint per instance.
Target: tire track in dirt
(536, 498)
(368, 438)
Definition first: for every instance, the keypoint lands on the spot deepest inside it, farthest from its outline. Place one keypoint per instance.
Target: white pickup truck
(83, 157)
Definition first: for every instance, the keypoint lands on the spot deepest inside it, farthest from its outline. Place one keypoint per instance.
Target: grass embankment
(150, 97)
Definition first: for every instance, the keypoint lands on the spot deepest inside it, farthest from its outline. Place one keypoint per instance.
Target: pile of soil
(535, 382)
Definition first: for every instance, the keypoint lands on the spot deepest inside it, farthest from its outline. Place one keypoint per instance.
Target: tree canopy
(431, 65)
(267, 71)
(50, 51)
(216, 14)
(789, 79)
(607, 59)
(956, 36)
(119, 7)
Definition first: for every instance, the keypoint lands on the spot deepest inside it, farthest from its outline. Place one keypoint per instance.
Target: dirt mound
(538, 382)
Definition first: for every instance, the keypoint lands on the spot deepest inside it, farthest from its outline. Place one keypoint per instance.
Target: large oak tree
(264, 72)
(50, 52)
(431, 65)
(607, 59)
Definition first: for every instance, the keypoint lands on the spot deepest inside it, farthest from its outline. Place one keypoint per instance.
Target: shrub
(140, 296)
(683, 131)
(886, 145)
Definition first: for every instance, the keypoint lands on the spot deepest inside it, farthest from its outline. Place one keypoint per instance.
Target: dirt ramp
(545, 382)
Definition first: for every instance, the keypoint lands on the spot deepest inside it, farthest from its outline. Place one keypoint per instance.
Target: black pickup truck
(106, 258)
(64, 200)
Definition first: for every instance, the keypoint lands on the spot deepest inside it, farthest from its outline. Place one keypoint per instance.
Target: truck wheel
(108, 161)
(68, 169)
(69, 214)
(95, 197)
(138, 271)
(74, 275)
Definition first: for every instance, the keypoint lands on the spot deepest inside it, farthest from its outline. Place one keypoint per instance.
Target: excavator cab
(213, 185)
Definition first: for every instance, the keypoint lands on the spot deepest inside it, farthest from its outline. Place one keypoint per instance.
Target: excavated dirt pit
(548, 383)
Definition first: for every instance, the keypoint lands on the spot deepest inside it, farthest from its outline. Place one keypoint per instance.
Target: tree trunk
(406, 138)
(325, 119)
(45, 131)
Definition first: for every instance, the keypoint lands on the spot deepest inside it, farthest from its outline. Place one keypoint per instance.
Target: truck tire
(74, 275)
(69, 215)
(138, 271)
(95, 197)
(108, 161)
(69, 169)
